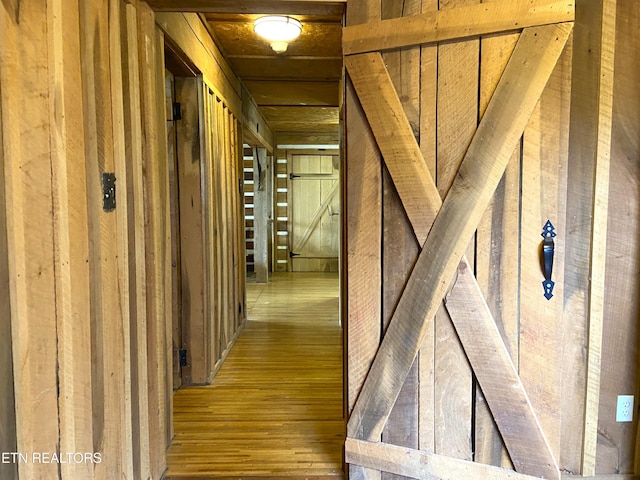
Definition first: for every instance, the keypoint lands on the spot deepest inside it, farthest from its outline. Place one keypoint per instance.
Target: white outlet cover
(624, 412)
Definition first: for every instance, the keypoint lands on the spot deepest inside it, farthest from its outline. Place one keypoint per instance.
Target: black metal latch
(183, 357)
(548, 233)
(108, 192)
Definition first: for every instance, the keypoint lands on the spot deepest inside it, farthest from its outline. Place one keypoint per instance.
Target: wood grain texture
(71, 240)
(501, 386)
(261, 214)
(457, 120)
(274, 410)
(363, 230)
(400, 248)
(26, 136)
(599, 231)
(619, 347)
(122, 345)
(525, 79)
(422, 465)
(428, 149)
(286, 7)
(192, 241)
(156, 227)
(188, 32)
(543, 193)
(8, 439)
(396, 140)
(497, 238)
(454, 24)
(137, 247)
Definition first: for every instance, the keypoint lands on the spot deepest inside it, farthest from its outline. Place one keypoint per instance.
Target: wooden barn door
(315, 211)
(456, 148)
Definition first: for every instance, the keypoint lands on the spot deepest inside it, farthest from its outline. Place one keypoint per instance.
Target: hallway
(274, 409)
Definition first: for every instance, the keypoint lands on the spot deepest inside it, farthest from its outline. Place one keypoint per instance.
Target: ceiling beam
(285, 7)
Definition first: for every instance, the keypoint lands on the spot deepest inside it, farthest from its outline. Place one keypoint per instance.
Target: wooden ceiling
(298, 90)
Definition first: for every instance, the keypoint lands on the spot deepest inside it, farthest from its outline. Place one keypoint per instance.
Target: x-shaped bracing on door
(444, 229)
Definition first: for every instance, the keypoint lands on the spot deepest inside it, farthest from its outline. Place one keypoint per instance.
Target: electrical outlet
(624, 412)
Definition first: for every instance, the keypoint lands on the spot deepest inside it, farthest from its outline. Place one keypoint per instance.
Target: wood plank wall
(557, 172)
(8, 437)
(209, 143)
(86, 293)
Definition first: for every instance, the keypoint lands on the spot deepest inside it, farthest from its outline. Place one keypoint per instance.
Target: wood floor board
(274, 409)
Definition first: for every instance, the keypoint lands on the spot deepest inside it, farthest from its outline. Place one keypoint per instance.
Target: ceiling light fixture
(278, 30)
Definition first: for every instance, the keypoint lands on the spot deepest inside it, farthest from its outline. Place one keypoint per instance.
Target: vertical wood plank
(400, 247)
(260, 212)
(122, 346)
(544, 152)
(230, 224)
(457, 119)
(428, 148)
(7, 397)
(234, 218)
(176, 293)
(137, 246)
(497, 266)
(363, 233)
(216, 206)
(71, 239)
(164, 334)
(581, 177)
(621, 306)
(193, 244)
(595, 403)
(156, 223)
(24, 99)
(209, 202)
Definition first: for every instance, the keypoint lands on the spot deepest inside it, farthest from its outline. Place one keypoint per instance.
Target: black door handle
(548, 245)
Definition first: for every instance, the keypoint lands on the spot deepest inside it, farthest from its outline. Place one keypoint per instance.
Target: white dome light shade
(277, 28)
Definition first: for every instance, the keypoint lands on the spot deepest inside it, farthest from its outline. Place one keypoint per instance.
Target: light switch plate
(624, 412)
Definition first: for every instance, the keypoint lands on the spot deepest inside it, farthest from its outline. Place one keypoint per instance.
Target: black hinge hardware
(292, 176)
(183, 357)
(108, 192)
(177, 111)
(291, 254)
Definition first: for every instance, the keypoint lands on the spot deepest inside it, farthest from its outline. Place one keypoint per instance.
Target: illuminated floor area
(274, 409)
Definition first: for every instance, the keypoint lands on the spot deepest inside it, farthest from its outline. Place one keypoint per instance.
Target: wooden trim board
(454, 24)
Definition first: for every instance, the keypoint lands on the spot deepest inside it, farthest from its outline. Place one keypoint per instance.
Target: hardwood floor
(274, 409)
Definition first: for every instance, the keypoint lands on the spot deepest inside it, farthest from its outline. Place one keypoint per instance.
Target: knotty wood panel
(195, 316)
